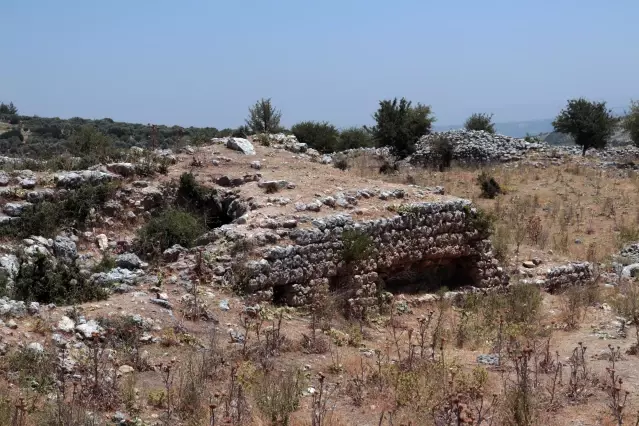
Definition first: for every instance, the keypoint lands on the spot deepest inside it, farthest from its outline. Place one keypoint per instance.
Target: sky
(202, 63)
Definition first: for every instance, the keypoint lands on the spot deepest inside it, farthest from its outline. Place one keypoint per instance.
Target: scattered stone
(125, 369)
(256, 165)
(35, 347)
(529, 264)
(4, 179)
(88, 329)
(27, 183)
(66, 324)
(224, 305)
(102, 241)
(15, 209)
(163, 303)
(489, 359)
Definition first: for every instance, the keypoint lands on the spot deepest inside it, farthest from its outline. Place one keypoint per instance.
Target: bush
(170, 227)
(8, 109)
(47, 217)
(43, 279)
(355, 137)
(278, 395)
(264, 117)
(323, 136)
(631, 122)
(442, 152)
(12, 133)
(91, 144)
(356, 246)
(480, 121)
(399, 125)
(341, 162)
(589, 123)
(489, 186)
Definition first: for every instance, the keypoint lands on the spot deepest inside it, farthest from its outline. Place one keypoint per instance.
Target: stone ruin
(422, 247)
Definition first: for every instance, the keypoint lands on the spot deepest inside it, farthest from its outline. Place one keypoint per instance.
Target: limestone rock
(240, 144)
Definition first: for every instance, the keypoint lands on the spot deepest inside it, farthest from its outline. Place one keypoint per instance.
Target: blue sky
(203, 62)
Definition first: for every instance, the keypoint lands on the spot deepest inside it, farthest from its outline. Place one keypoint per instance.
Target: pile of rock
(472, 147)
(572, 274)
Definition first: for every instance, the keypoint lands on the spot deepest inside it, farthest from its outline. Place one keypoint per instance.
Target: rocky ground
(174, 343)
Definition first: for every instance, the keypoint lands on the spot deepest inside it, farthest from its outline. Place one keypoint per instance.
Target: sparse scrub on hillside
(321, 136)
(46, 218)
(480, 121)
(589, 123)
(399, 125)
(263, 117)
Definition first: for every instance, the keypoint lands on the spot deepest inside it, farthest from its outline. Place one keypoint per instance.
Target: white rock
(240, 144)
(66, 324)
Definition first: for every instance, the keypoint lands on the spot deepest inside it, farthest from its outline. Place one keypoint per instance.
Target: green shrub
(442, 152)
(263, 117)
(631, 122)
(488, 185)
(355, 137)
(480, 121)
(323, 136)
(9, 109)
(92, 145)
(43, 279)
(356, 246)
(399, 125)
(46, 218)
(11, 134)
(172, 226)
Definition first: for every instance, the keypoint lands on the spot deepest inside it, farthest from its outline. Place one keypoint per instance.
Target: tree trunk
(583, 152)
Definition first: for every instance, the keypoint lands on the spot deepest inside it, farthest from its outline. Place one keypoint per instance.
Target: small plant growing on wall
(357, 246)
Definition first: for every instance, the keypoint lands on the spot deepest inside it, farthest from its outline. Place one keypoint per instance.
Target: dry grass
(579, 212)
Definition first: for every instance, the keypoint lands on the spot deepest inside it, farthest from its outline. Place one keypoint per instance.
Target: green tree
(399, 125)
(355, 137)
(631, 122)
(8, 109)
(480, 121)
(589, 123)
(323, 136)
(264, 117)
(88, 142)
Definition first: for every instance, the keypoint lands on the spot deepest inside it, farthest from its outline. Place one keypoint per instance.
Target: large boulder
(65, 248)
(122, 169)
(129, 261)
(15, 209)
(240, 144)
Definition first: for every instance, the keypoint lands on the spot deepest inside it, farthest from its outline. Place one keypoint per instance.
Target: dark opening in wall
(280, 295)
(431, 276)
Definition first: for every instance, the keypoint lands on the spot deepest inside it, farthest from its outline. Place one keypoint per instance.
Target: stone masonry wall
(419, 235)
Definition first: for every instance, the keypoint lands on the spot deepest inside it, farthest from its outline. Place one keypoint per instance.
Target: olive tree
(589, 123)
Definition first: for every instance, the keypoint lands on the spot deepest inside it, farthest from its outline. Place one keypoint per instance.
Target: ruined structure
(421, 247)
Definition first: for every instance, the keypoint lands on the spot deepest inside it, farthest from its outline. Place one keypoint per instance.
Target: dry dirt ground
(396, 368)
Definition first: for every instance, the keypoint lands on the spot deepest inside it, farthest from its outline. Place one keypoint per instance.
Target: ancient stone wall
(418, 237)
